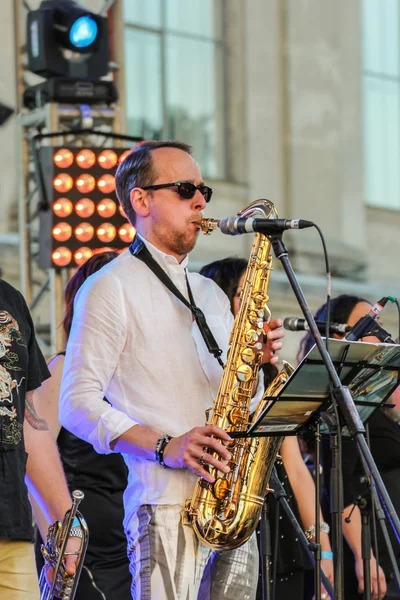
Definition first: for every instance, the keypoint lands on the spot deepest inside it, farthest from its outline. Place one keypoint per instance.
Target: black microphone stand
(265, 552)
(363, 501)
(342, 397)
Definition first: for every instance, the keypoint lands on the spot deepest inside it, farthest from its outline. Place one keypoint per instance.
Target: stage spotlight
(60, 25)
(80, 219)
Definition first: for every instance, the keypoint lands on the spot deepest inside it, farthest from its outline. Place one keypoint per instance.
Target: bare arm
(303, 488)
(46, 400)
(47, 397)
(302, 484)
(44, 474)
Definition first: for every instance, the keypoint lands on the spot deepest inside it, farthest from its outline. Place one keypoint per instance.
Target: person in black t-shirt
(102, 477)
(28, 455)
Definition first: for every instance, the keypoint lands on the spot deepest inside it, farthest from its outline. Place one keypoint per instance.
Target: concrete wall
(294, 123)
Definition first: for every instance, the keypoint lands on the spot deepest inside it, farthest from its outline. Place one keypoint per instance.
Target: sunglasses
(185, 189)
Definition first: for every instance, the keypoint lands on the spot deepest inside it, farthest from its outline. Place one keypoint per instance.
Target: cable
(398, 310)
(328, 284)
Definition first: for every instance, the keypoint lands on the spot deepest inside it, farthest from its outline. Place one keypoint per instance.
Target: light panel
(85, 216)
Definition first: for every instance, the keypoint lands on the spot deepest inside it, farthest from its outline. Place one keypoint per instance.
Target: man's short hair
(138, 170)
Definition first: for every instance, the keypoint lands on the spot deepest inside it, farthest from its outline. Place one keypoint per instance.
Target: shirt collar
(164, 260)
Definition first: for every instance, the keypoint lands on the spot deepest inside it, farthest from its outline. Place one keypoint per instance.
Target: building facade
(275, 97)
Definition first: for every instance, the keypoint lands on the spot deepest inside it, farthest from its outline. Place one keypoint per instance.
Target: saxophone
(63, 586)
(224, 514)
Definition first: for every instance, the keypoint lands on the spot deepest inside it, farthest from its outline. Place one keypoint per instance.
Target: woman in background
(102, 477)
(294, 574)
(384, 431)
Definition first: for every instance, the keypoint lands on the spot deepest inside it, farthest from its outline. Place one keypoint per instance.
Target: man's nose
(199, 202)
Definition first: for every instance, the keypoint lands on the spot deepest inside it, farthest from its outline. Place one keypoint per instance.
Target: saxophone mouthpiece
(208, 225)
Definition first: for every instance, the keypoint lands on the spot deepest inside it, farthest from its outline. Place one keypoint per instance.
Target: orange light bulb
(122, 212)
(62, 207)
(124, 155)
(127, 233)
(63, 158)
(82, 255)
(106, 232)
(106, 208)
(84, 232)
(62, 232)
(86, 158)
(85, 183)
(63, 182)
(84, 208)
(106, 184)
(107, 159)
(61, 256)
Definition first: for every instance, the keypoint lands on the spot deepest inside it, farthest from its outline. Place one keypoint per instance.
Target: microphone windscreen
(290, 323)
(227, 225)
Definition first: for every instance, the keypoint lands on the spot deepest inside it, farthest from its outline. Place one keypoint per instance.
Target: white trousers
(168, 563)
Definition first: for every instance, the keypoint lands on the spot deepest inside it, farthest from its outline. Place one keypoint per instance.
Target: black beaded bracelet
(160, 447)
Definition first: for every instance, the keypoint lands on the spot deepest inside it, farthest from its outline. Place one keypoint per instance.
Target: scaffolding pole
(44, 290)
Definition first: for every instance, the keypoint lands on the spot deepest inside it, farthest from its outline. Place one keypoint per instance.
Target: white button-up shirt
(134, 342)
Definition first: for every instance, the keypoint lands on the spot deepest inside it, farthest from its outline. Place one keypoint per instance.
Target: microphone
(297, 324)
(238, 225)
(368, 325)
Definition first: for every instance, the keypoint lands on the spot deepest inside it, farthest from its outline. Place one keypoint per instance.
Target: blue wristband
(325, 554)
(76, 522)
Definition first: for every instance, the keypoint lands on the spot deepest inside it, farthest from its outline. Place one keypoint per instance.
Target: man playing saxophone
(133, 339)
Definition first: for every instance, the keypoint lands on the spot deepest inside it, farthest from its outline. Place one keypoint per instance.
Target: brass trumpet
(63, 585)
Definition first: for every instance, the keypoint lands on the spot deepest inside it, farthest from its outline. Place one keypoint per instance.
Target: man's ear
(140, 202)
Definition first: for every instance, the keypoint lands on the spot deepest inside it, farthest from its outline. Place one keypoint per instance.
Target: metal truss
(43, 290)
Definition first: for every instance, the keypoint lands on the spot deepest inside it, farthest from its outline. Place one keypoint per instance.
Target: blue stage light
(83, 32)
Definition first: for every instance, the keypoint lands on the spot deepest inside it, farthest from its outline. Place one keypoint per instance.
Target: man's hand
(194, 449)
(273, 332)
(374, 581)
(71, 559)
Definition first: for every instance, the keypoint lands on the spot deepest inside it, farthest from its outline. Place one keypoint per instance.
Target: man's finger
(70, 564)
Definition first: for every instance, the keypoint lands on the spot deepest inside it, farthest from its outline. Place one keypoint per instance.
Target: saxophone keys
(235, 416)
(221, 489)
(251, 336)
(244, 373)
(248, 355)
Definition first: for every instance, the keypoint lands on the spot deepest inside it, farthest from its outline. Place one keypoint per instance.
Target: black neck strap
(138, 249)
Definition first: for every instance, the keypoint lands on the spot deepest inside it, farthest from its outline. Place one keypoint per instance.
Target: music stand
(370, 371)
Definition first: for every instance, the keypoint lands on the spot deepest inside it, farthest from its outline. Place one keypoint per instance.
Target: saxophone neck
(208, 225)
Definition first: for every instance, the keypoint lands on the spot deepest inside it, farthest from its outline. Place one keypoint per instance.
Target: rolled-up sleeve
(96, 340)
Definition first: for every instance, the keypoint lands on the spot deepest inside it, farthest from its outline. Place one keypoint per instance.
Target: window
(381, 82)
(174, 71)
